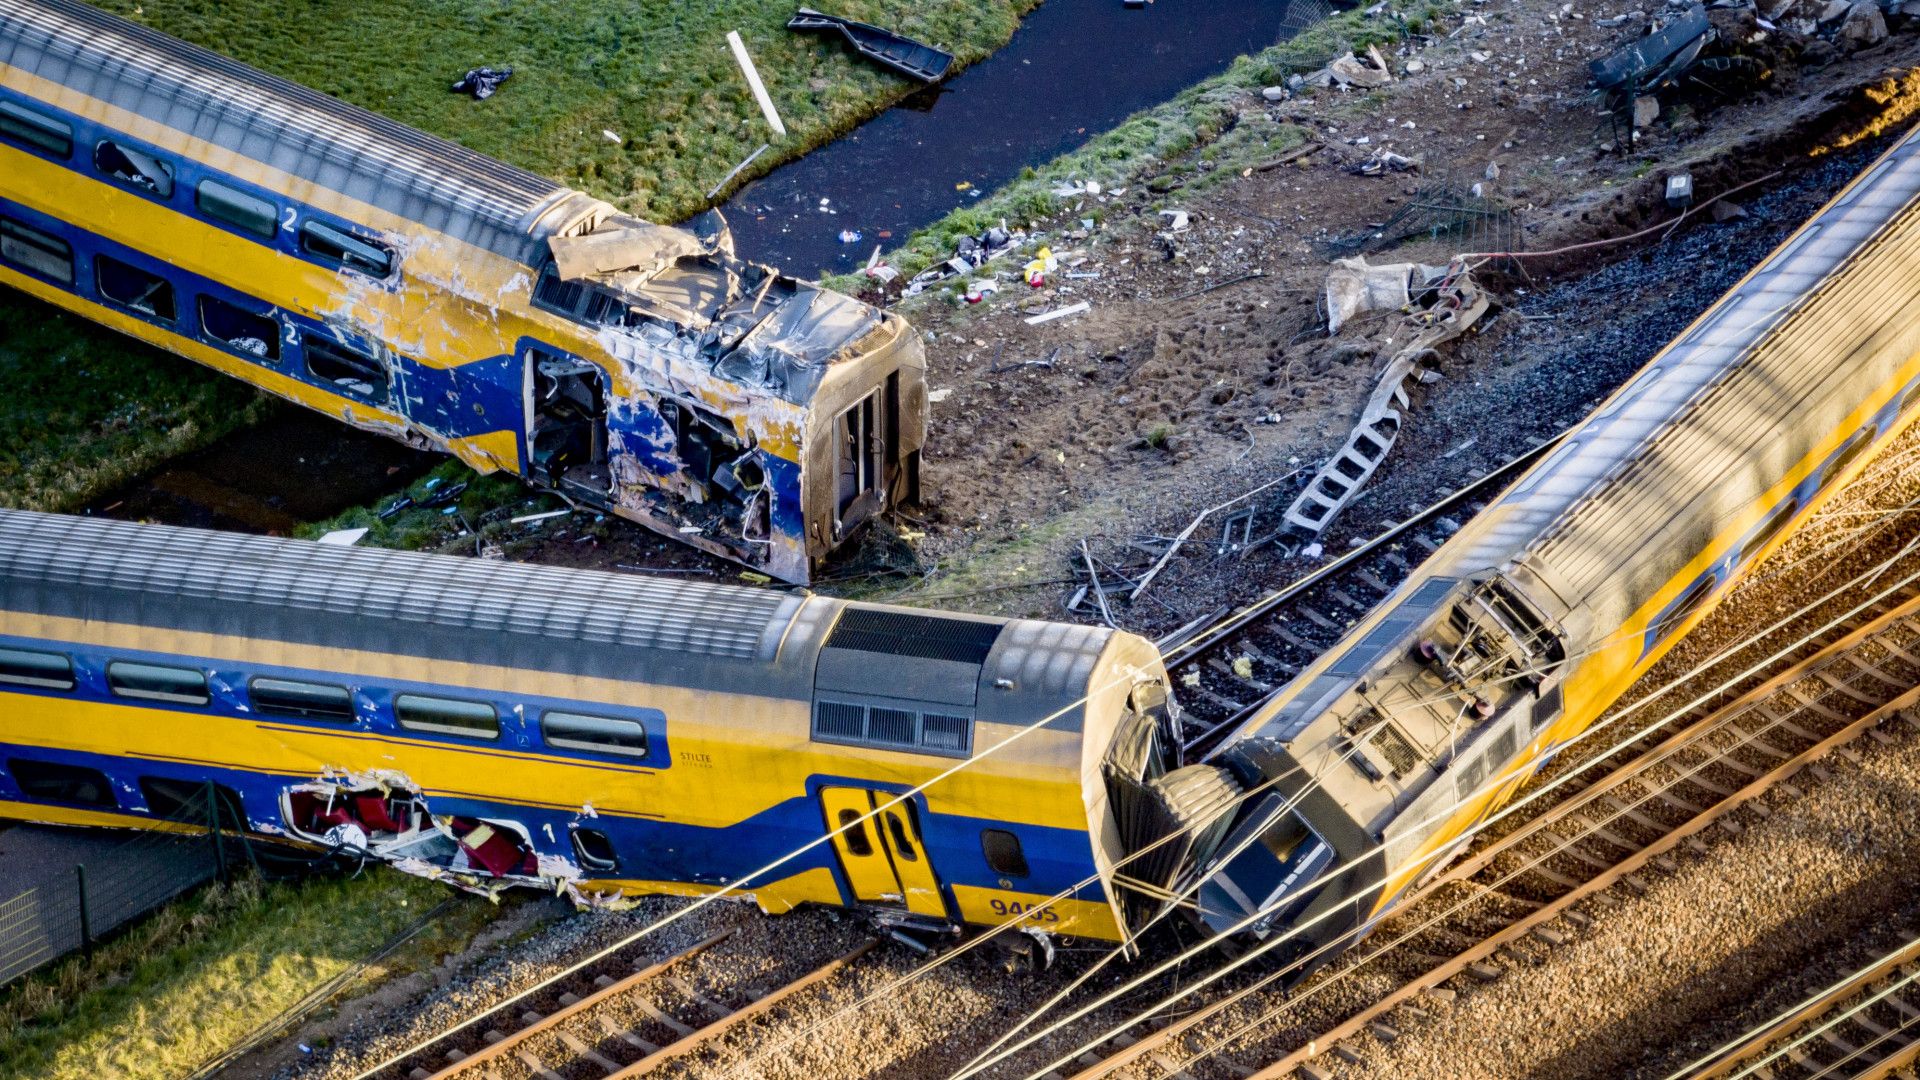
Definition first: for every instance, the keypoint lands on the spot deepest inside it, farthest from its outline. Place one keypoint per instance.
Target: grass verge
(658, 76)
(87, 409)
(177, 989)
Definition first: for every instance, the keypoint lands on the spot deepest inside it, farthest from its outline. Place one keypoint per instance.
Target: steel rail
(1553, 909)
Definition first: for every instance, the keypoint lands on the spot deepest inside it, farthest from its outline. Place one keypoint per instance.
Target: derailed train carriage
(1379, 757)
(495, 725)
(411, 287)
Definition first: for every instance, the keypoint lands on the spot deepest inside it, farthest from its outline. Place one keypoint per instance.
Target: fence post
(213, 834)
(86, 924)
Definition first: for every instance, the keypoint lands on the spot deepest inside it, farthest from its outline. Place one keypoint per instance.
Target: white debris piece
(343, 537)
(1058, 313)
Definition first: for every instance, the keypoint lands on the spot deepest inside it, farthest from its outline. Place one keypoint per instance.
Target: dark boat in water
(911, 58)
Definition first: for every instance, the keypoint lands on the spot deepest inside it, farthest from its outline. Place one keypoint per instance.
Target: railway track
(1524, 891)
(614, 1019)
(1866, 1026)
(1227, 669)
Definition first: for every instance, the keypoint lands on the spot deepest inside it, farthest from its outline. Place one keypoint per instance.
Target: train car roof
(475, 610)
(280, 123)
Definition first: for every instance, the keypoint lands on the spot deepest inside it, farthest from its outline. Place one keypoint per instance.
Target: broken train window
(132, 288)
(134, 168)
(238, 329)
(347, 368)
(345, 250)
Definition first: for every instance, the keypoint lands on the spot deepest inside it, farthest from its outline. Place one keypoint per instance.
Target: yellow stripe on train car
(763, 743)
(1614, 666)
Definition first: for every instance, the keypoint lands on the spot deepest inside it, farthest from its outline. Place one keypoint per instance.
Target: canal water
(1075, 68)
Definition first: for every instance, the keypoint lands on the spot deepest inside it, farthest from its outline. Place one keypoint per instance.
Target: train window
(238, 329)
(1684, 607)
(854, 831)
(133, 288)
(61, 783)
(1770, 529)
(577, 731)
(447, 716)
(308, 701)
(134, 168)
(1003, 853)
(157, 682)
(30, 128)
(31, 249)
(248, 213)
(188, 801)
(349, 369)
(903, 848)
(30, 667)
(595, 851)
(1847, 456)
(344, 249)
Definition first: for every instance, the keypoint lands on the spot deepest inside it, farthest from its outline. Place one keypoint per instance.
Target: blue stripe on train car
(488, 389)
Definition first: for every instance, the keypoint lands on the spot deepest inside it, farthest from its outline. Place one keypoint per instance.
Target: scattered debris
(1045, 362)
(1037, 268)
(1383, 161)
(914, 59)
(753, 82)
(1177, 220)
(735, 171)
(1441, 303)
(1350, 70)
(971, 253)
(980, 290)
(1058, 313)
(1651, 62)
(1680, 190)
(525, 518)
(481, 82)
(850, 236)
(344, 537)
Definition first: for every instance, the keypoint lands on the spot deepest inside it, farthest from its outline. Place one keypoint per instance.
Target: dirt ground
(1119, 425)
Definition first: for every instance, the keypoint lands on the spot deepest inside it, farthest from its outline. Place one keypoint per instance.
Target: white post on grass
(753, 80)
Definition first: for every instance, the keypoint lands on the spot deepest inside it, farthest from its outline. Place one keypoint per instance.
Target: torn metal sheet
(1443, 302)
(628, 245)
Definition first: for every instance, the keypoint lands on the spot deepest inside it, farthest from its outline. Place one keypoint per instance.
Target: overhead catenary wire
(894, 985)
(1338, 871)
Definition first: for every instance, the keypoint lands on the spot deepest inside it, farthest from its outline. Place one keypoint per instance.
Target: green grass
(87, 409)
(199, 975)
(657, 73)
(1147, 146)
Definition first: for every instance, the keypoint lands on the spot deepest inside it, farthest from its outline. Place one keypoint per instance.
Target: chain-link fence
(68, 908)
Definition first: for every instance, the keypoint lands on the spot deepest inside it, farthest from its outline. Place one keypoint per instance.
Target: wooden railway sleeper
(538, 1023)
(764, 1004)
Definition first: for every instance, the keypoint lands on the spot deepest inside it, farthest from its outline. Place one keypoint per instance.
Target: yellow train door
(883, 856)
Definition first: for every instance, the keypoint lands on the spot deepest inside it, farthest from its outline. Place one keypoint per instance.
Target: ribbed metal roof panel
(159, 564)
(278, 123)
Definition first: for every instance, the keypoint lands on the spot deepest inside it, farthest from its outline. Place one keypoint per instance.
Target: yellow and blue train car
(494, 724)
(1519, 631)
(409, 286)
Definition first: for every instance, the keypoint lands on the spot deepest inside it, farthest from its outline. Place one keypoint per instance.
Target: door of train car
(883, 857)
